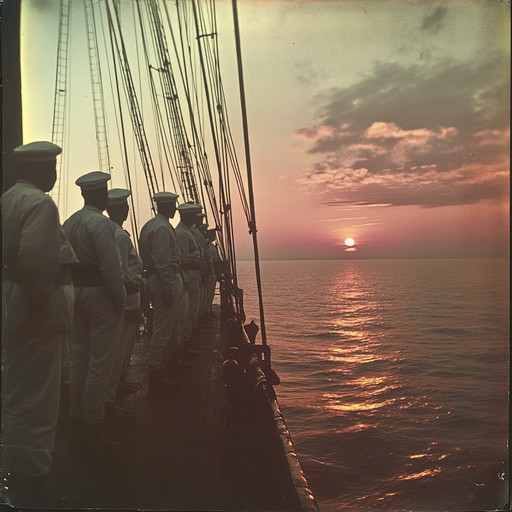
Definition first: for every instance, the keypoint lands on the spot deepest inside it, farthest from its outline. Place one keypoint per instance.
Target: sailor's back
(160, 256)
(100, 297)
(34, 323)
(30, 222)
(158, 246)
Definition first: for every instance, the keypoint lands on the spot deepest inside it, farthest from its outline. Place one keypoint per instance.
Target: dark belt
(131, 288)
(87, 276)
(64, 276)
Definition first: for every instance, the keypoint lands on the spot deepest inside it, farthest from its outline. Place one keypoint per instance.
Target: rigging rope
(249, 171)
(97, 88)
(60, 95)
(135, 114)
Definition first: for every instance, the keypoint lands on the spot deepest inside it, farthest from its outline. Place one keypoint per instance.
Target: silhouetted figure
(161, 259)
(35, 324)
(200, 229)
(117, 209)
(190, 256)
(99, 306)
(215, 269)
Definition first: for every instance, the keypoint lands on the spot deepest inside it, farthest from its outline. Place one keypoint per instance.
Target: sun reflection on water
(371, 389)
(422, 474)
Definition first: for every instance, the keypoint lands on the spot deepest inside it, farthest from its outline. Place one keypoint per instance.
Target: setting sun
(349, 242)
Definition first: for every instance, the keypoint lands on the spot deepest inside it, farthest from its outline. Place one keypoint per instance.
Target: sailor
(117, 209)
(215, 268)
(161, 259)
(201, 243)
(35, 322)
(99, 306)
(190, 256)
(207, 273)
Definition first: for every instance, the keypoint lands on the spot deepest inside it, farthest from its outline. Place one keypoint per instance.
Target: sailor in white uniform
(190, 256)
(117, 209)
(161, 259)
(35, 322)
(100, 298)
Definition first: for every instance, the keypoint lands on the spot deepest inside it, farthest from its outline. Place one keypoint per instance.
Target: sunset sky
(384, 121)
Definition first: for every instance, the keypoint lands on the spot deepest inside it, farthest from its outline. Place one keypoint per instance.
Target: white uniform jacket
(31, 242)
(131, 264)
(92, 236)
(190, 252)
(159, 251)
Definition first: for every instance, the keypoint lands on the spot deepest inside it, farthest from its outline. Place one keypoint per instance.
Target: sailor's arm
(185, 246)
(134, 262)
(124, 249)
(195, 255)
(110, 260)
(161, 250)
(37, 262)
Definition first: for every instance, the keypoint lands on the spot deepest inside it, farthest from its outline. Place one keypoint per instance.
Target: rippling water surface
(394, 378)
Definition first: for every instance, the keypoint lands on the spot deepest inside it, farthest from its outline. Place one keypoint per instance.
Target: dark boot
(95, 438)
(76, 425)
(118, 416)
(127, 388)
(158, 383)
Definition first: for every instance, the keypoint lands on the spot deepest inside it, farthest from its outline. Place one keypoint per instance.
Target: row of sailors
(78, 287)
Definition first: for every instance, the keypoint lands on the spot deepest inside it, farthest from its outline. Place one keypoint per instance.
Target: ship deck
(187, 450)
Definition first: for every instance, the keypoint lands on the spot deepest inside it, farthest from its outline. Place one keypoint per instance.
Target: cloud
(429, 135)
(433, 22)
(307, 75)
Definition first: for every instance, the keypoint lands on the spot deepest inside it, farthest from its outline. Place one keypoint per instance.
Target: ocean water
(394, 378)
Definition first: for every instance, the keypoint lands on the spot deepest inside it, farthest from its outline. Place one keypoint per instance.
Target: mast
(252, 222)
(97, 88)
(60, 99)
(11, 88)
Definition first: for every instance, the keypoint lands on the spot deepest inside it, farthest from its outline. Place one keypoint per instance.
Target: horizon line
(384, 258)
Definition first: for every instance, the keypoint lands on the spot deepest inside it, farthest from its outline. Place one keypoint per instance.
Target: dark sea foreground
(394, 378)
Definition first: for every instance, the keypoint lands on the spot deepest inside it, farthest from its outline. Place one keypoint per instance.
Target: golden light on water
(421, 474)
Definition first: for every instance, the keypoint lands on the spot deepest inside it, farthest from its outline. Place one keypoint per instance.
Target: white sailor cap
(199, 206)
(40, 151)
(189, 208)
(165, 197)
(93, 180)
(118, 196)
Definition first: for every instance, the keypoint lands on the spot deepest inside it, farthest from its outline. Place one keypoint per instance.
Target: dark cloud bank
(429, 134)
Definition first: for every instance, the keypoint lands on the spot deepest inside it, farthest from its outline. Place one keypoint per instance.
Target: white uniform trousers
(31, 379)
(166, 317)
(94, 339)
(193, 288)
(124, 347)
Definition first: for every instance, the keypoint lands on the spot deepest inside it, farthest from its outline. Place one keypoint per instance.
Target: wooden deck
(187, 450)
